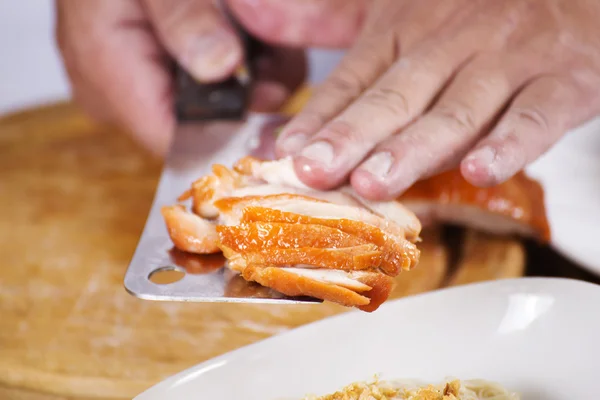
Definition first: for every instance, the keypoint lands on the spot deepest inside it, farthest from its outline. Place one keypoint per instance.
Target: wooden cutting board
(74, 196)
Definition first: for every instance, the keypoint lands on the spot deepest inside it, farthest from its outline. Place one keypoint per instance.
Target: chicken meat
(513, 207)
(279, 233)
(335, 245)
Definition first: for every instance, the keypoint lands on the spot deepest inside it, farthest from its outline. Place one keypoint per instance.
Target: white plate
(537, 336)
(570, 175)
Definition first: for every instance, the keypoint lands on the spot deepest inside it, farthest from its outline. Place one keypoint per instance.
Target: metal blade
(197, 146)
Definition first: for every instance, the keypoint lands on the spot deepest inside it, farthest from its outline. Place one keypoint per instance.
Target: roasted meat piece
(513, 207)
(277, 232)
(335, 245)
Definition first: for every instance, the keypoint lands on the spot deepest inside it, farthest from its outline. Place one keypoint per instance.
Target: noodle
(408, 389)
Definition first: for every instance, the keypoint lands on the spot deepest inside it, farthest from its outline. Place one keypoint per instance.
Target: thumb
(198, 36)
(303, 23)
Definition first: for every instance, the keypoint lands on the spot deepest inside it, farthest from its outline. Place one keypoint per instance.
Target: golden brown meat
(335, 245)
(190, 232)
(277, 232)
(513, 207)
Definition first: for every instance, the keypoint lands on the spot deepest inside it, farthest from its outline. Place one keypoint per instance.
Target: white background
(30, 68)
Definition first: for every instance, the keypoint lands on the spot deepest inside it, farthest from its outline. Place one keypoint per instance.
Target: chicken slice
(291, 284)
(363, 289)
(274, 171)
(261, 236)
(282, 172)
(235, 261)
(392, 211)
(275, 231)
(340, 278)
(346, 279)
(225, 183)
(306, 282)
(267, 189)
(189, 232)
(513, 207)
(231, 210)
(397, 254)
(356, 258)
(220, 184)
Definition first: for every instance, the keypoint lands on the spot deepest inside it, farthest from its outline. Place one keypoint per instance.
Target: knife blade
(214, 126)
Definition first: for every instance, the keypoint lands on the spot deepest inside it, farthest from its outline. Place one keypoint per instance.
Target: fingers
(537, 118)
(401, 95)
(315, 23)
(343, 123)
(395, 100)
(265, 146)
(357, 70)
(116, 67)
(302, 23)
(440, 137)
(390, 25)
(197, 36)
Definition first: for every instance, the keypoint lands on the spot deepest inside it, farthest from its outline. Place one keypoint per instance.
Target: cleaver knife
(214, 126)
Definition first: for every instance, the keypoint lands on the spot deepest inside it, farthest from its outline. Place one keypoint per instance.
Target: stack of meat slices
(515, 207)
(276, 231)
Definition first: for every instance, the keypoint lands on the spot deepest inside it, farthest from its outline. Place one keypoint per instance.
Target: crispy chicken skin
(513, 207)
(335, 245)
(190, 232)
(277, 232)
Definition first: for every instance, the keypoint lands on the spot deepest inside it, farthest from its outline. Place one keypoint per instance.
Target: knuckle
(533, 118)
(341, 85)
(424, 62)
(460, 118)
(394, 101)
(345, 82)
(485, 78)
(308, 120)
(506, 138)
(341, 132)
(489, 71)
(486, 83)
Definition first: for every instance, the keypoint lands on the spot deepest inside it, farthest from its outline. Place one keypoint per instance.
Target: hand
(429, 85)
(117, 54)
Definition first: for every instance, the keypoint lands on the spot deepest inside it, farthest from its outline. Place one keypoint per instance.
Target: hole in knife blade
(166, 275)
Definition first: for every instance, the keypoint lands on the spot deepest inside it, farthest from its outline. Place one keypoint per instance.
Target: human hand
(117, 54)
(488, 85)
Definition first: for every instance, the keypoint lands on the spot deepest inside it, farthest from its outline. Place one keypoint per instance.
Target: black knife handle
(228, 99)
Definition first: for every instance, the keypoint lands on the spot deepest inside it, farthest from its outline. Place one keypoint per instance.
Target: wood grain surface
(74, 196)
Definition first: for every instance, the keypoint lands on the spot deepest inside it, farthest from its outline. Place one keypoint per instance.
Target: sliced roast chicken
(515, 207)
(274, 230)
(335, 245)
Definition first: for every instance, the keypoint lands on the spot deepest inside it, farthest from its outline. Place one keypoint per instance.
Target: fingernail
(379, 164)
(213, 55)
(480, 163)
(319, 152)
(484, 156)
(293, 143)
